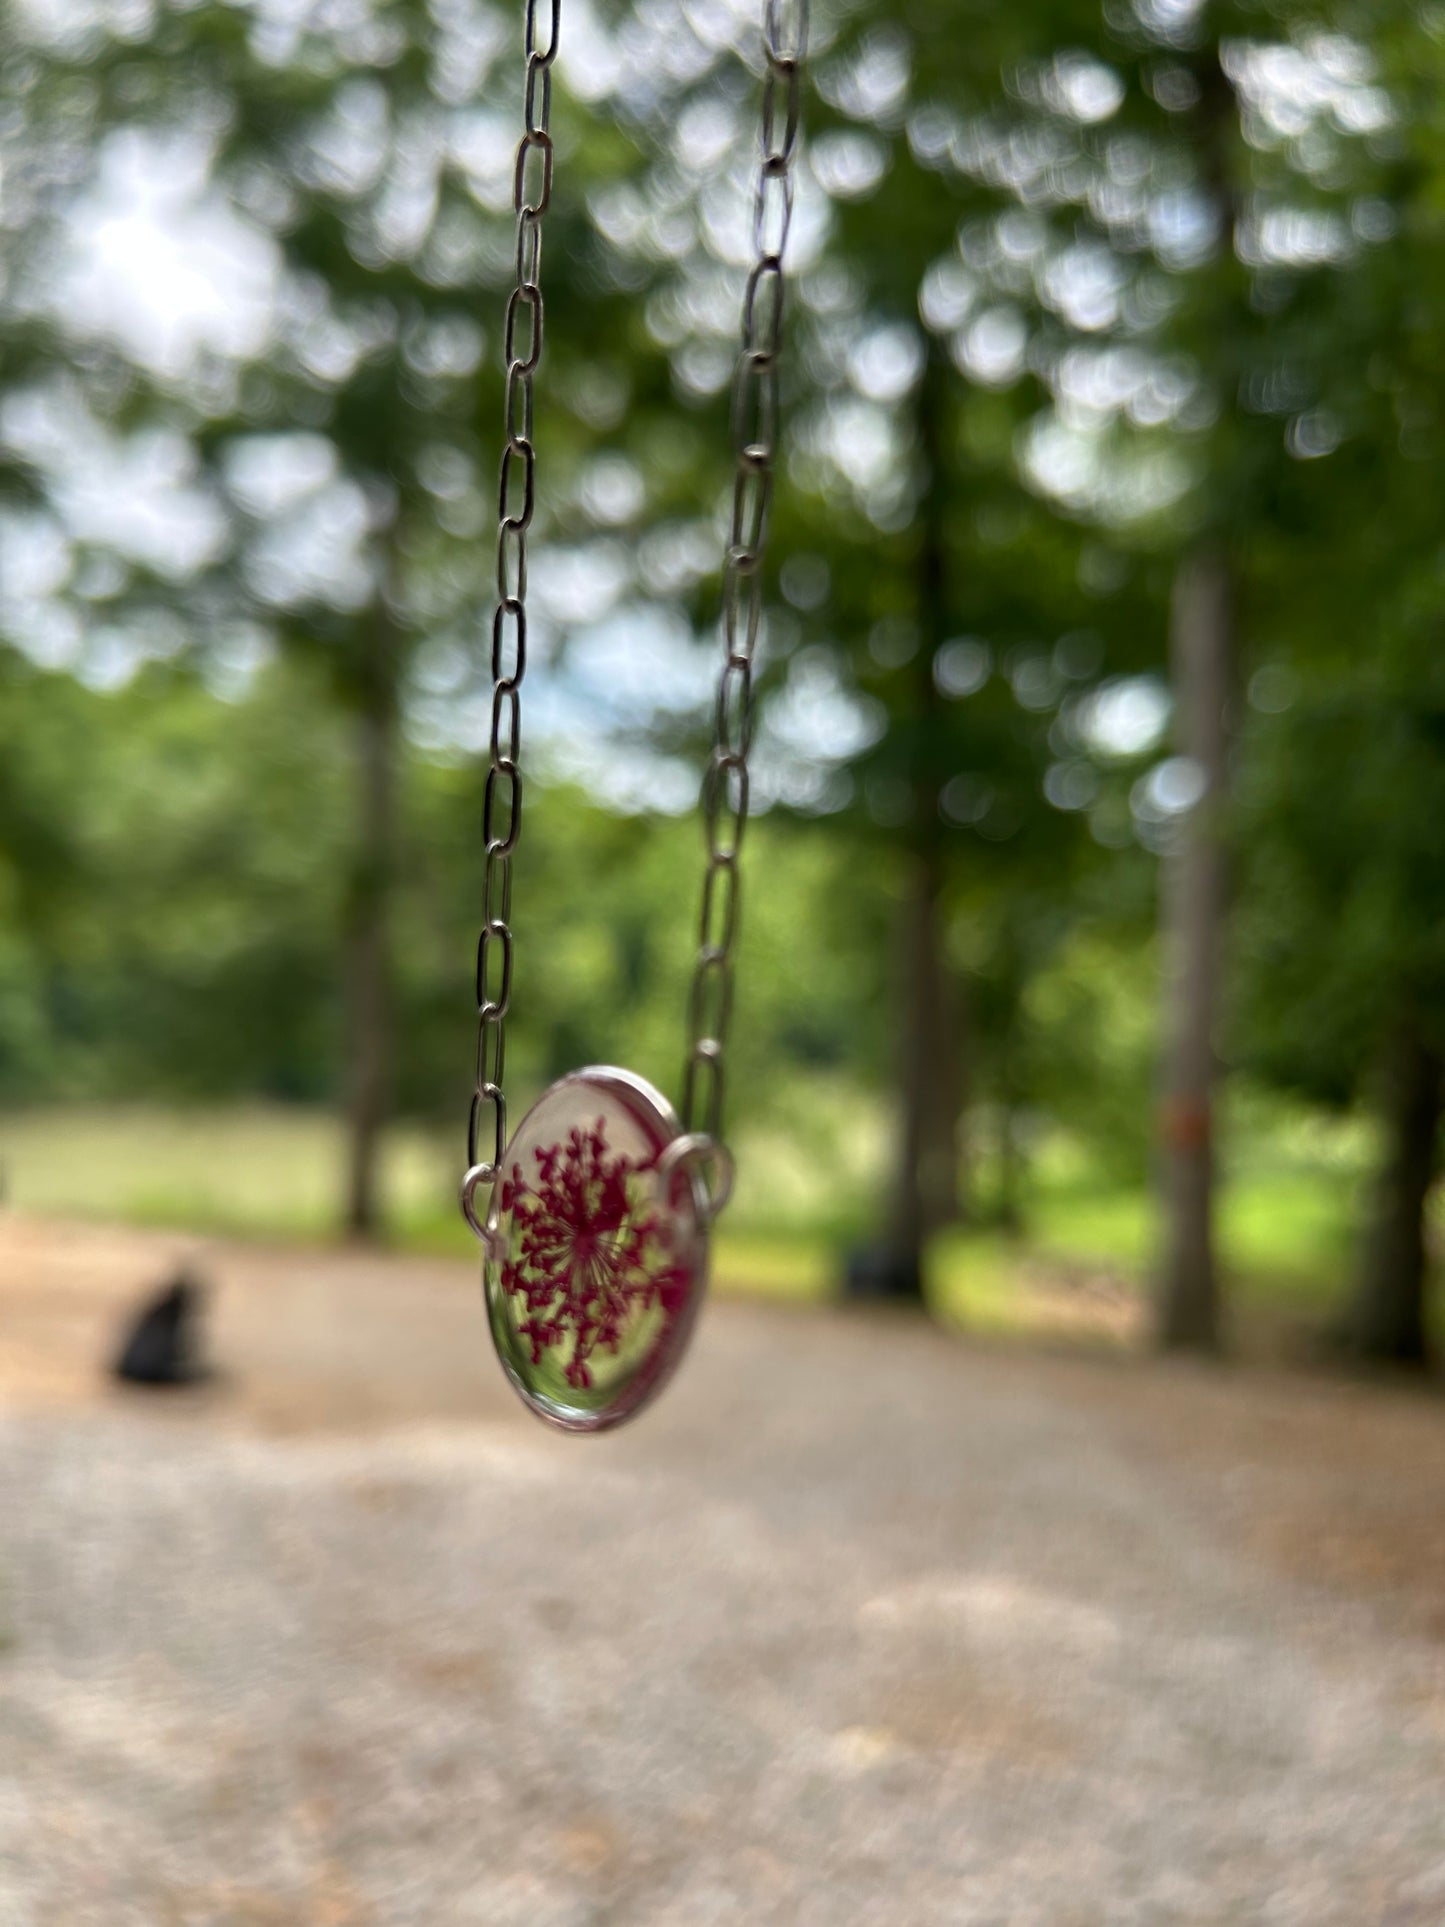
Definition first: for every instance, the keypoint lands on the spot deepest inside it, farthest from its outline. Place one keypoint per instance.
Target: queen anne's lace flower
(588, 1253)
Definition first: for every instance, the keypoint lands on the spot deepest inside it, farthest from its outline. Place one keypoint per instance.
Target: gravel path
(861, 1625)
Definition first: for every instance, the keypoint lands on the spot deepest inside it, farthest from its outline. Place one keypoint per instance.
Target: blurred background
(1092, 900)
(1092, 980)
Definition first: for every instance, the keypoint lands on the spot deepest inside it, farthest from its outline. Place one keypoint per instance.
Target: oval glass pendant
(596, 1251)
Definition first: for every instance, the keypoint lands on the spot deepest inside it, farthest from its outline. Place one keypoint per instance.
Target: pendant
(596, 1250)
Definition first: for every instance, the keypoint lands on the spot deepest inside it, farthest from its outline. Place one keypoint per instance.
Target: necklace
(595, 1236)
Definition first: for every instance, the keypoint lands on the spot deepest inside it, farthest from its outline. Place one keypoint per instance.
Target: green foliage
(191, 945)
(188, 946)
(1075, 283)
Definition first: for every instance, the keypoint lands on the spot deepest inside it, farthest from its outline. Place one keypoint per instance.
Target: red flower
(587, 1254)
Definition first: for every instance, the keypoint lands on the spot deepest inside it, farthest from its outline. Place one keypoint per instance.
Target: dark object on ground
(162, 1345)
(891, 1275)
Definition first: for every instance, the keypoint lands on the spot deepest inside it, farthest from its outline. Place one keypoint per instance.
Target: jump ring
(479, 1175)
(693, 1152)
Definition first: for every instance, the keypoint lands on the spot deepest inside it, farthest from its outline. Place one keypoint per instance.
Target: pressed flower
(589, 1253)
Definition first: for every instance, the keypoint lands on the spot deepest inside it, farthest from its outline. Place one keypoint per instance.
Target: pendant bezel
(685, 1193)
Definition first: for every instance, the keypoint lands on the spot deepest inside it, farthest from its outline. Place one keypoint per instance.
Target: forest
(1093, 893)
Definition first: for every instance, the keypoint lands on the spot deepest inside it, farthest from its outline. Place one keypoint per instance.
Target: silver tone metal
(694, 1152)
(681, 1195)
(754, 431)
(516, 504)
(475, 1178)
(694, 1145)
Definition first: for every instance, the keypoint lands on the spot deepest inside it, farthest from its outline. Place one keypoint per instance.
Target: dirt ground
(862, 1624)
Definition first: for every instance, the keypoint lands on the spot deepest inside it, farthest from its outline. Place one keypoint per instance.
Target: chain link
(754, 434)
(516, 503)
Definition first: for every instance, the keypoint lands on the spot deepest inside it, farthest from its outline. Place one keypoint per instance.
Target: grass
(1287, 1215)
(271, 1172)
(277, 1172)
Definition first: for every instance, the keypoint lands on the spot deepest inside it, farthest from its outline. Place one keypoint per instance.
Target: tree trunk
(368, 962)
(1193, 904)
(926, 1190)
(1387, 1320)
(925, 1197)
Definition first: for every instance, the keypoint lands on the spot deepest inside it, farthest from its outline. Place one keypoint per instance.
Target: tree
(1338, 845)
(1193, 898)
(338, 446)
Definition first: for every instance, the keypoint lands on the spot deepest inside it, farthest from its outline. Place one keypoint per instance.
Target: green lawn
(270, 1172)
(1287, 1216)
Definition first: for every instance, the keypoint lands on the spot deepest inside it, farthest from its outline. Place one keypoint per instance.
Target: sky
(159, 261)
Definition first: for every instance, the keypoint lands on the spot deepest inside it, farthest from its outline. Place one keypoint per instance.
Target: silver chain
(754, 434)
(516, 501)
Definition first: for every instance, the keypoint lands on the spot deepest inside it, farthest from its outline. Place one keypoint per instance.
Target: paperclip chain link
(754, 435)
(516, 502)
